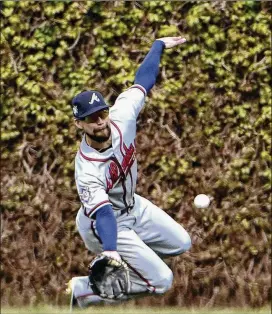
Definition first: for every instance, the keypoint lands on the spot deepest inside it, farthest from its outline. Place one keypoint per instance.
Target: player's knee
(184, 244)
(166, 282)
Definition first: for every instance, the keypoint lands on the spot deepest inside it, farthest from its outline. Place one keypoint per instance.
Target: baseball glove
(109, 277)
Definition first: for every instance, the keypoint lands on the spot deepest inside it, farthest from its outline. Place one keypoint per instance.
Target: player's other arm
(148, 71)
(106, 227)
(96, 204)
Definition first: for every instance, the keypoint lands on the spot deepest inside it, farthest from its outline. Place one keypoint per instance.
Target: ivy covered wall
(206, 128)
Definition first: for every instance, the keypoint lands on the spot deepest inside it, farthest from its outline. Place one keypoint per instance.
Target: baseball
(202, 201)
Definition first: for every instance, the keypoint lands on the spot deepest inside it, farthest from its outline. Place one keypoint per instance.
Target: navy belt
(128, 209)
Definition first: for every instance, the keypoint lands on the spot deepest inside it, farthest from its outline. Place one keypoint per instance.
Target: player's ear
(78, 124)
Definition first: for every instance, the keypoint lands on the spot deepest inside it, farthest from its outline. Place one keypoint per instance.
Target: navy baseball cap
(86, 103)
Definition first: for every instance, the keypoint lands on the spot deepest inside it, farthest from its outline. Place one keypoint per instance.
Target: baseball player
(129, 234)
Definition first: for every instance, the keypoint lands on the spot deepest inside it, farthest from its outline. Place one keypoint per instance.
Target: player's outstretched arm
(149, 69)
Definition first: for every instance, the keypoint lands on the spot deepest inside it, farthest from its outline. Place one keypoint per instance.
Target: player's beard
(100, 138)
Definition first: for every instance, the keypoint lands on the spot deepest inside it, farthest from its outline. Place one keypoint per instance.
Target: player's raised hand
(172, 41)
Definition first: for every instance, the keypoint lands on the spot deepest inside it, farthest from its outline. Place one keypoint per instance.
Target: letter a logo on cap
(94, 98)
(75, 110)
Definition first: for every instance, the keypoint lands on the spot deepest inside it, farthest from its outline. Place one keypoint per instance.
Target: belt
(128, 209)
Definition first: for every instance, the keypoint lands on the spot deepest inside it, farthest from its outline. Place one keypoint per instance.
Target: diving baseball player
(129, 234)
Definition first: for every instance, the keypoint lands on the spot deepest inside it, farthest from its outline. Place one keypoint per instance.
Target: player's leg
(81, 293)
(158, 230)
(148, 273)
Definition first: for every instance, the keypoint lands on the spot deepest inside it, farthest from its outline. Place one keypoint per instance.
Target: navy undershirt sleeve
(147, 73)
(106, 227)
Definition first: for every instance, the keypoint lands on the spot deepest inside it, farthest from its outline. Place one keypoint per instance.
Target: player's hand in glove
(109, 275)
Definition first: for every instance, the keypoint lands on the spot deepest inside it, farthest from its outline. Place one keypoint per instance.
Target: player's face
(97, 126)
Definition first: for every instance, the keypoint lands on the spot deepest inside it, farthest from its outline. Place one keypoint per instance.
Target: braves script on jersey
(110, 177)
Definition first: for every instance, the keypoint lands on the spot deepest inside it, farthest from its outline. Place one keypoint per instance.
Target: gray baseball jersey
(110, 177)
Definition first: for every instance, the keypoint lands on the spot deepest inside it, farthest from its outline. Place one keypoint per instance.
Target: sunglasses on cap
(103, 114)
